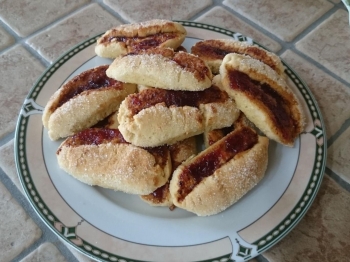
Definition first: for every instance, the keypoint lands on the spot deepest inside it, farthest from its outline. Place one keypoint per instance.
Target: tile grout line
(111, 11)
(21, 40)
(251, 23)
(341, 130)
(47, 236)
(341, 182)
(205, 10)
(309, 29)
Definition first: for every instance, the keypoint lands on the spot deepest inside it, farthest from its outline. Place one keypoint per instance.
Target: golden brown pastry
(264, 97)
(83, 101)
(101, 156)
(213, 52)
(156, 117)
(130, 38)
(221, 174)
(163, 68)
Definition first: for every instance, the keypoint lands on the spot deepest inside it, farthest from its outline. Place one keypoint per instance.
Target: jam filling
(88, 80)
(216, 134)
(138, 43)
(210, 50)
(151, 97)
(235, 142)
(159, 194)
(260, 55)
(192, 64)
(97, 136)
(276, 104)
(219, 51)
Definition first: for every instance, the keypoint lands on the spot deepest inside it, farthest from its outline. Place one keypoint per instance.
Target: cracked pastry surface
(213, 52)
(129, 38)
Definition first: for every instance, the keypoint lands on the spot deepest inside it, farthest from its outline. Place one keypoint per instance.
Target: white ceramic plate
(113, 226)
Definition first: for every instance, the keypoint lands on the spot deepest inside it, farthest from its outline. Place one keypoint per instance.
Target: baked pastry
(83, 101)
(162, 68)
(110, 122)
(131, 38)
(264, 97)
(212, 136)
(142, 87)
(179, 152)
(156, 116)
(213, 52)
(221, 174)
(100, 156)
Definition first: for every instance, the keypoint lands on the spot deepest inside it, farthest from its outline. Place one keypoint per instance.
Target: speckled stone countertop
(312, 36)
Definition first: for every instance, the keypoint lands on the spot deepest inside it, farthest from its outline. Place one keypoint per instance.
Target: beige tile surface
(5, 39)
(17, 14)
(339, 155)
(323, 234)
(45, 252)
(141, 10)
(329, 44)
(78, 255)
(86, 23)
(333, 102)
(17, 230)
(7, 163)
(276, 16)
(220, 17)
(19, 70)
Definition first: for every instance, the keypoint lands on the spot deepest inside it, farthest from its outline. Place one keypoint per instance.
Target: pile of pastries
(136, 125)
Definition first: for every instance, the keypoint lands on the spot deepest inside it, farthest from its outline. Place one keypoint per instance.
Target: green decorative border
(68, 233)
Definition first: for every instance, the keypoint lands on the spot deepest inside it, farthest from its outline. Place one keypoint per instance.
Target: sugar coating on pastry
(101, 157)
(220, 175)
(155, 117)
(264, 97)
(129, 38)
(213, 52)
(83, 101)
(162, 68)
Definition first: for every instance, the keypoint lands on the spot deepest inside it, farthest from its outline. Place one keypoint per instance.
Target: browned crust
(213, 52)
(83, 101)
(137, 36)
(228, 183)
(78, 85)
(172, 123)
(256, 110)
(162, 68)
(101, 157)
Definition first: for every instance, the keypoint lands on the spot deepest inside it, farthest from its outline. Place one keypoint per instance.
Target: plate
(113, 226)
